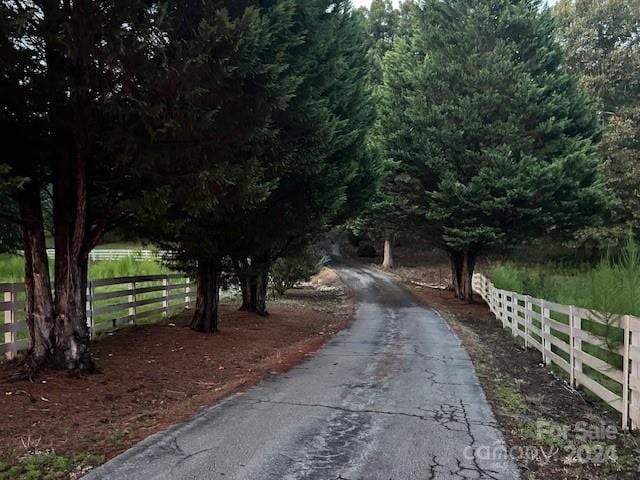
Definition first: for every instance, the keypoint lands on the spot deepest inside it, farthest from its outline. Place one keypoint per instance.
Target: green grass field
(612, 286)
(12, 268)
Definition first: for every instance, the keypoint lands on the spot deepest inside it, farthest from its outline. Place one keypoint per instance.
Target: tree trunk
(387, 262)
(462, 267)
(248, 284)
(262, 288)
(70, 204)
(205, 315)
(455, 259)
(240, 268)
(71, 331)
(39, 300)
(468, 266)
(252, 293)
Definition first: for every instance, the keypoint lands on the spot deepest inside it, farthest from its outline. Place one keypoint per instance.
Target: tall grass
(125, 267)
(612, 286)
(12, 268)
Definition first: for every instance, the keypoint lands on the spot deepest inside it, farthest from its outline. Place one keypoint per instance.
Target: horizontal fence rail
(598, 351)
(112, 303)
(118, 254)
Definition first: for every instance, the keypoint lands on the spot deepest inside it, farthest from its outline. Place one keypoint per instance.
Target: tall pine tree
(490, 129)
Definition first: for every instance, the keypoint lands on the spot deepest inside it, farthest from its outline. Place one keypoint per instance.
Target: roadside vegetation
(552, 431)
(611, 286)
(12, 268)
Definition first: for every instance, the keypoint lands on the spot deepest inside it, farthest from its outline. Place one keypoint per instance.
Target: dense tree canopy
(601, 40)
(491, 130)
(234, 133)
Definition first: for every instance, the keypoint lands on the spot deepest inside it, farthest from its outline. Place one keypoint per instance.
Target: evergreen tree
(74, 102)
(601, 40)
(493, 135)
(386, 214)
(231, 77)
(318, 161)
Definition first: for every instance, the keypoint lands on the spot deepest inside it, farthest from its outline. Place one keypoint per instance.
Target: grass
(12, 268)
(612, 286)
(48, 466)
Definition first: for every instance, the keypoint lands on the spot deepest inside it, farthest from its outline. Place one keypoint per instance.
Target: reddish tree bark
(205, 315)
(462, 267)
(262, 287)
(39, 300)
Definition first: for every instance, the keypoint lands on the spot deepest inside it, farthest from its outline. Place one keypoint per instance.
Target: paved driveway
(393, 397)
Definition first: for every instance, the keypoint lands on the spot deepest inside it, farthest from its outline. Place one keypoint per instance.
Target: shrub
(287, 271)
(612, 286)
(367, 251)
(354, 239)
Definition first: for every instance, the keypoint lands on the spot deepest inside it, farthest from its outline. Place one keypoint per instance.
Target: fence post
(165, 296)
(187, 293)
(546, 333)
(527, 320)
(10, 318)
(635, 372)
(514, 315)
(572, 356)
(132, 300)
(625, 373)
(576, 320)
(89, 309)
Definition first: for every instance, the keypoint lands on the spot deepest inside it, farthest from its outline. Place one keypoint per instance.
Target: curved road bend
(393, 397)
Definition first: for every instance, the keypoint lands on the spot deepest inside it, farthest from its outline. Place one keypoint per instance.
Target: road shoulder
(552, 431)
(155, 376)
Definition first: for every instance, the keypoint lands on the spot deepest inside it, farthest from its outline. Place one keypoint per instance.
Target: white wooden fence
(112, 303)
(117, 254)
(598, 351)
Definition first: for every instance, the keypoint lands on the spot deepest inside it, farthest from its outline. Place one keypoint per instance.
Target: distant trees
(601, 41)
(491, 136)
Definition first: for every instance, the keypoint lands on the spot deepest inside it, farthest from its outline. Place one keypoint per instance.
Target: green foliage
(48, 466)
(353, 238)
(492, 137)
(287, 271)
(511, 398)
(602, 46)
(126, 267)
(12, 268)
(367, 251)
(319, 167)
(10, 236)
(612, 286)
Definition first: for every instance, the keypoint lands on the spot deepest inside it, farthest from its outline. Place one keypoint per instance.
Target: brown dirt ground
(154, 376)
(522, 391)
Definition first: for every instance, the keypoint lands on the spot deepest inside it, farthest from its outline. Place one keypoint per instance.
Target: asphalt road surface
(393, 397)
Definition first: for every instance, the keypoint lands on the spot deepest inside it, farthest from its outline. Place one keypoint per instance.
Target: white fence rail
(598, 351)
(112, 303)
(117, 254)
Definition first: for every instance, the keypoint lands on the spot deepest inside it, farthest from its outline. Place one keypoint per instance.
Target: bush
(354, 239)
(612, 286)
(287, 271)
(367, 251)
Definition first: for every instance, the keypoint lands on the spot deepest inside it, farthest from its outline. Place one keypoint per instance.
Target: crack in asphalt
(443, 415)
(406, 366)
